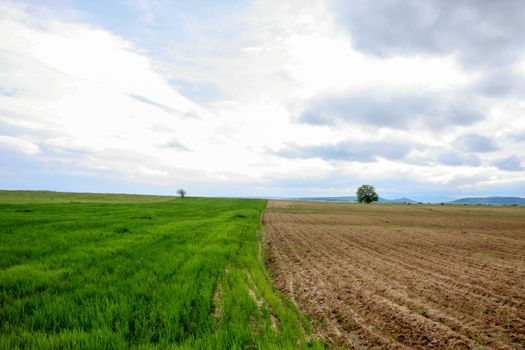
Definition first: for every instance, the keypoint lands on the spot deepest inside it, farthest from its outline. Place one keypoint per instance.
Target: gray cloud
(482, 32)
(399, 111)
(350, 151)
(367, 152)
(154, 103)
(500, 82)
(455, 159)
(512, 163)
(176, 145)
(518, 135)
(163, 107)
(475, 143)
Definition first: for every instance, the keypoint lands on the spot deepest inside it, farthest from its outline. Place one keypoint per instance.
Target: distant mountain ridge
(490, 201)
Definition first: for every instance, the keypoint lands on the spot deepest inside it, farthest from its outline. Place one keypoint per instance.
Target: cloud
(512, 163)
(475, 143)
(481, 32)
(398, 110)
(152, 172)
(501, 83)
(363, 151)
(19, 145)
(456, 159)
(84, 95)
(161, 106)
(517, 135)
(176, 145)
(64, 144)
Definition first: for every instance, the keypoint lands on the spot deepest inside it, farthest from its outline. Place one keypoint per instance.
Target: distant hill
(490, 201)
(401, 201)
(354, 199)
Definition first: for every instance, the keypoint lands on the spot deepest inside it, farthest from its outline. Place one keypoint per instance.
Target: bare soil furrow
(399, 296)
(439, 271)
(401, 322)
(316, 291)
(401, 276)
(471, 264)
(413, 298)
(502, 315)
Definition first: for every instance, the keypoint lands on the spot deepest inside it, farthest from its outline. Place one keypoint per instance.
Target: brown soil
(401, 276)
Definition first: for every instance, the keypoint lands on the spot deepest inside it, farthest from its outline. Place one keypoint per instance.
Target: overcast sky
(421, 98)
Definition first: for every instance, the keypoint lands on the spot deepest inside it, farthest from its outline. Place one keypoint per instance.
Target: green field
(117, 271)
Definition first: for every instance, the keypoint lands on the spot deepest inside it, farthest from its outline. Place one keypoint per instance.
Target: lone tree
(366, 194)
(181, 193)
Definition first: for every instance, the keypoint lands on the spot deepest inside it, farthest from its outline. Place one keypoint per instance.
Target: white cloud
(152, 172)
(18, 145)
(73, 86)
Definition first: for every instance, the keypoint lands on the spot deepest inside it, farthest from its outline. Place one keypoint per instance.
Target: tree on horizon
(367, 194)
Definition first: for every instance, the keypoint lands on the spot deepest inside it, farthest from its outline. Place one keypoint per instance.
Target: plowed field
(401, 276)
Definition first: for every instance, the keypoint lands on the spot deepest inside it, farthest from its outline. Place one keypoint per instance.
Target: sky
(421, 98)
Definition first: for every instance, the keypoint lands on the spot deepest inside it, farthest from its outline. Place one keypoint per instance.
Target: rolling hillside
(490, 201)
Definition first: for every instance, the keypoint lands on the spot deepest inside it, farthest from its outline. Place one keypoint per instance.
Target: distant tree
(366, 194)
(181, 193)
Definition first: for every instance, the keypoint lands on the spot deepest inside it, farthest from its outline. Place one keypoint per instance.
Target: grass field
(403, 276)
(116, 271)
